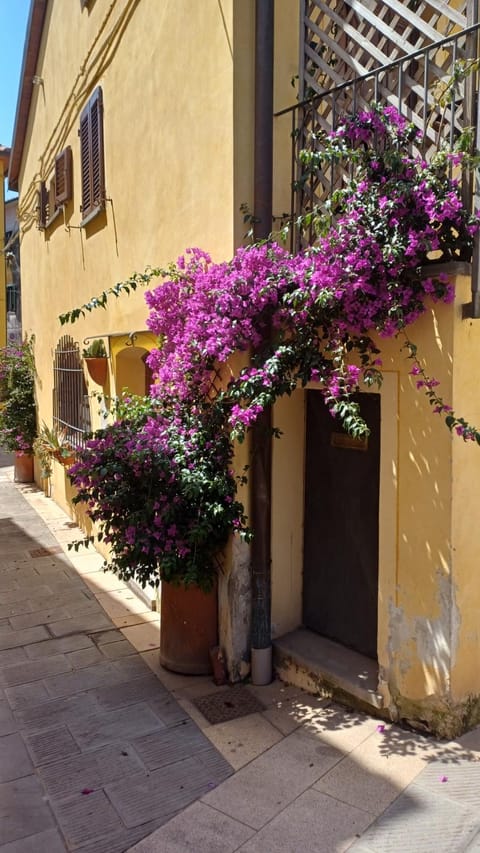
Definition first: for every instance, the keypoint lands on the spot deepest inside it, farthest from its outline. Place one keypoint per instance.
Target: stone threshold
(321, 666)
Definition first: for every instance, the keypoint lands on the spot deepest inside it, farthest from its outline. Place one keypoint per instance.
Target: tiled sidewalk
(100, 746)
(95, 753)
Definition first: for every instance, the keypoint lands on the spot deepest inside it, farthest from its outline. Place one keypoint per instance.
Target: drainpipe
(472, 182)
(261, 461)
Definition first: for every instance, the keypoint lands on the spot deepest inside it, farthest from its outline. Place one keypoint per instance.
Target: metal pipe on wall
(261, 461)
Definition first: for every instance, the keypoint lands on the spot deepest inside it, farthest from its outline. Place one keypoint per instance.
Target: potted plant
(165, 506)
(52, 443)
(95, 356)
(18, 425)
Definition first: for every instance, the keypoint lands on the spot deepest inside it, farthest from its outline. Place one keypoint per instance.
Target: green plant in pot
(52, 443)
(95, 349)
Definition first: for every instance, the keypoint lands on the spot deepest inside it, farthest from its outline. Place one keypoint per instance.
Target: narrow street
(104, 751)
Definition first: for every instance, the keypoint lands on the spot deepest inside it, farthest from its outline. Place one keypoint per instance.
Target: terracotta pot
(188, 628)
(63, 459)
(23, 467)
(97, 368)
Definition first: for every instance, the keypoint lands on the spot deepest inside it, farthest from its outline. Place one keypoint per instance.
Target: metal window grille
(71, 409)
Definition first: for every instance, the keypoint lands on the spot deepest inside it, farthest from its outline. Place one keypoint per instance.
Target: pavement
(104, 751)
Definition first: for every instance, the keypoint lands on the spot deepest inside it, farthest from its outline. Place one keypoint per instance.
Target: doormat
(228, 704)
(45, 552)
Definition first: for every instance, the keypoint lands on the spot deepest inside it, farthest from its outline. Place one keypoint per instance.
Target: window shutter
(63, 177)
(92, 155)
(85, 159)
(96, 120)
(51, 201)
(42, 205)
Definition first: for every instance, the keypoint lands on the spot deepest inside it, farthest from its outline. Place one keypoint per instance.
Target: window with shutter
(92, 157)
(63, 177)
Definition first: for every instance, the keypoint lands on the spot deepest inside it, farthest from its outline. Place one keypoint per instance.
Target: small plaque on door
(348, 442)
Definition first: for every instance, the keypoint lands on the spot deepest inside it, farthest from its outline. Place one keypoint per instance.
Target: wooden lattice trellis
(354, 52)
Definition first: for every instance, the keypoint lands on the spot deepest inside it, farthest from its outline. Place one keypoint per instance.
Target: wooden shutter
(96, 123)
(63, 177)
(51, 201)
(42, 205)
(92, 155)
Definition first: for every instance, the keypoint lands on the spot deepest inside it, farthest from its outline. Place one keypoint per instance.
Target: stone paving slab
(120, 840)
(198, 828)
(23, 809)
(9, 638)
(22, 673)
(53, 647)
(8, 723)
(170, 745)
(26, 694)
(85, 817)
(421, 820)
(119, 695)
(81, 680)
(14, 759)
(103, 728)
(52, 745)
(164, 792)
(49, 841)
(91, 770)
(55, 712)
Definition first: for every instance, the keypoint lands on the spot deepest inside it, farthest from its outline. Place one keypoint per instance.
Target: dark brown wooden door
(340, 582)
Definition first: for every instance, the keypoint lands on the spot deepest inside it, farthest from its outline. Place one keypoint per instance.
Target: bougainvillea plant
(160, 486)
(300, 317)
(306, 316)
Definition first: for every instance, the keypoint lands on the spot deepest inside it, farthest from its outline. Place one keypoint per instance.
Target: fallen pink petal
(380, 729)
(443, 778)
(86, 791)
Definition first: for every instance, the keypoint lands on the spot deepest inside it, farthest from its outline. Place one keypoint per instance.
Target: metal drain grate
(228, 704)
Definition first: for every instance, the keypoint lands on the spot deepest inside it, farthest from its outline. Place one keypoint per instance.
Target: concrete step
(318, 665)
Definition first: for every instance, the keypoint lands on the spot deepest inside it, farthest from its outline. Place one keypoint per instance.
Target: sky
(13, 25)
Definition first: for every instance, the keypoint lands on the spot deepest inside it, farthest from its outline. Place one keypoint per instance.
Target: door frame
(387, 507)
(288, 512)
(341, 526)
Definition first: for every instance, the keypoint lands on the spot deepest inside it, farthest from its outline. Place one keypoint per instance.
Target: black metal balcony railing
(434, 87)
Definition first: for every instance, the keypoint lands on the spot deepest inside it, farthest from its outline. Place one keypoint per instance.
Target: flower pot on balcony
(23, 470)
(188, 628)
(97, 369)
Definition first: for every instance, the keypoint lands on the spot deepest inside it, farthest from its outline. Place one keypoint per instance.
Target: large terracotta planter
(188, 628)
(23, 471)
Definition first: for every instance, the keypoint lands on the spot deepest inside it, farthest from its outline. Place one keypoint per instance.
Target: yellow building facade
(176, 106)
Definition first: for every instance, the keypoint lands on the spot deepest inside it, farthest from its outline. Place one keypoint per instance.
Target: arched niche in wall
(132, 371)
